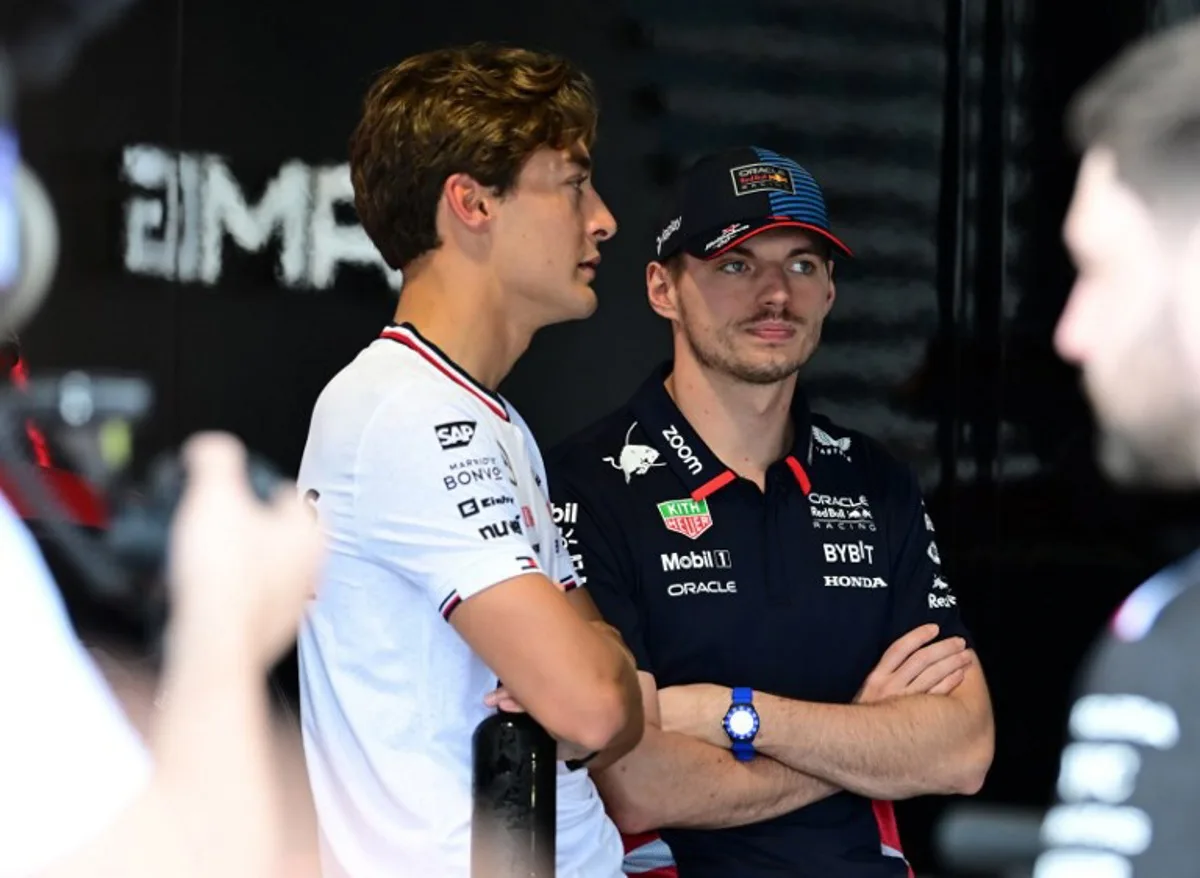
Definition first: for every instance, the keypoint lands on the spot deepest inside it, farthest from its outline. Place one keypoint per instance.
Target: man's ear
(831, 295)
(469, 201)
(660, 290)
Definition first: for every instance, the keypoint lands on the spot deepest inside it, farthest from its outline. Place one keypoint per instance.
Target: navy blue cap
(727, 197)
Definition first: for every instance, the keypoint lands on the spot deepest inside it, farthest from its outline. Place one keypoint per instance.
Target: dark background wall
(935, 128)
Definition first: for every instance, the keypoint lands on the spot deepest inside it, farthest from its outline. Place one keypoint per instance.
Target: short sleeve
(436, 502)
(1127, 798)
(922, 591)
(601, 558)
(71, 762)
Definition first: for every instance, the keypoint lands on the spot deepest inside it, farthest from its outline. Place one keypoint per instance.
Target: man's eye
(736, 266)
(804, 266)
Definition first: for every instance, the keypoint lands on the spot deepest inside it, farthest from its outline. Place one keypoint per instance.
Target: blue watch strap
(743, 751)
(743, 695)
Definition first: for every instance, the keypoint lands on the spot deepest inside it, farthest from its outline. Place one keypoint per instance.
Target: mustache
(776, 316)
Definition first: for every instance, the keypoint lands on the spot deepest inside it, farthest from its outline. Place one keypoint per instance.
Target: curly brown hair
(480, 110)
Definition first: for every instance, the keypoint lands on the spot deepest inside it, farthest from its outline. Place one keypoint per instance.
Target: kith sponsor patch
(688, 517)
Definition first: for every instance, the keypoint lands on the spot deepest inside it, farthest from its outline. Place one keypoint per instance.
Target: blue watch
(741, 723)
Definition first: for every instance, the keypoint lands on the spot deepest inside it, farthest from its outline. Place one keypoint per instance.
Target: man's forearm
(892, 749)
(632, 733)
(215, 751)
(210, 808)
(672, 780)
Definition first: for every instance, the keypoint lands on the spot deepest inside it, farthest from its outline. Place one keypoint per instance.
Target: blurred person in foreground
(472, 175)
(80, 794)
(1128, 796)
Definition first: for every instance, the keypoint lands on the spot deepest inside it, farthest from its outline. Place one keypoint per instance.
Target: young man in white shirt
(471, 172)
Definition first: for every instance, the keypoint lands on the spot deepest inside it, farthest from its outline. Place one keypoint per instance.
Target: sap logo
(849, 553)
(686, 456)
(470, 507)
(854, 582)
(942, 602)
(498, 529)
(463, 478)
(456, 434)
(716, 586)
(635, 460)
(708, 559)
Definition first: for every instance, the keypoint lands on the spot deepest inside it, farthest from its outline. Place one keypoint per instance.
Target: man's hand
(239, 569)
(696, 710)
(501, 699)
(909, 667)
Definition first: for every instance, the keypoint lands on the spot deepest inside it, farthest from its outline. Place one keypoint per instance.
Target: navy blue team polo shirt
(795, 590)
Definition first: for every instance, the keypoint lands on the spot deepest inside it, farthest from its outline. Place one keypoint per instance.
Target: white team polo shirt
(430, 489)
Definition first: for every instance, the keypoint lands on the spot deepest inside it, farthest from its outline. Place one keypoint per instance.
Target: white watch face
(741, 723)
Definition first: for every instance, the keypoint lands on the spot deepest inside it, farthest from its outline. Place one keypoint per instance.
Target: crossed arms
(921, 724)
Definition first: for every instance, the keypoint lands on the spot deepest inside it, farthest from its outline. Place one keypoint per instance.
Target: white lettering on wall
(188, 207)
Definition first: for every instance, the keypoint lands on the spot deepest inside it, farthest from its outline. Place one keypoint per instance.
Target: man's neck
(468, 319)
(747, 426)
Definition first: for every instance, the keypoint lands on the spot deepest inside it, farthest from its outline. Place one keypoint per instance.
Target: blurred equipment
(990, 840)
(88, 420)
(117, 551)
(515, 798)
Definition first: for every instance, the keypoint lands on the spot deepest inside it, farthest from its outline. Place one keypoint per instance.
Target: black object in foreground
(515, 795)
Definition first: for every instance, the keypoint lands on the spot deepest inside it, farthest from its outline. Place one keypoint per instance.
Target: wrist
(206, 646)
(741, 723)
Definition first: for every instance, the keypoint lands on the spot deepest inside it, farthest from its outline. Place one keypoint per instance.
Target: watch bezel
(741, 708)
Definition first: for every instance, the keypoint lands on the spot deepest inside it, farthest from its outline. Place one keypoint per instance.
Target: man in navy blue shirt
(775, 575)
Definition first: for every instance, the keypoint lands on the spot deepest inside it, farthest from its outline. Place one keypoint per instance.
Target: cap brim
(695, 246)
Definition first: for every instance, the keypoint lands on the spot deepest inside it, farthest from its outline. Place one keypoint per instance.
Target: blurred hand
(910, 667)
(239, 567)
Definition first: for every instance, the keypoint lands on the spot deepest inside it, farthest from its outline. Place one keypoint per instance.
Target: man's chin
(1136, 464)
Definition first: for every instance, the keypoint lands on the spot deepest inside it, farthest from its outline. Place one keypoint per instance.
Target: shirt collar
(407, 335)
(669, 432)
